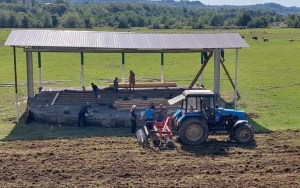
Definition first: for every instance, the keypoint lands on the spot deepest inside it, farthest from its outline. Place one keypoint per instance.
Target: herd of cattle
(265, 39)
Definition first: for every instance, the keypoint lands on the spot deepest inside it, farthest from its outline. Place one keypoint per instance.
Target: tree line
(21, 14)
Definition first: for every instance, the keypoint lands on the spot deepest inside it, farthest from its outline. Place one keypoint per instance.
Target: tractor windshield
(191, 105)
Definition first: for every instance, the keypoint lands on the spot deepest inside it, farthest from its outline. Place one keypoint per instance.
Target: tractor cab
(194, 103)
(199, 115)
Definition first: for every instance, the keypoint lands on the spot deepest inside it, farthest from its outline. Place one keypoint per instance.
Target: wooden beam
(146, 85)
(91, 50)
(54, 98)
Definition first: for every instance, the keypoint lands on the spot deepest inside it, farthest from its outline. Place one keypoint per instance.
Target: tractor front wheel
(243, 134)
(193, 131)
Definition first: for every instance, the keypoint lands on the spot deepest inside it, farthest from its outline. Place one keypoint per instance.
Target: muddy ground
(272, 161)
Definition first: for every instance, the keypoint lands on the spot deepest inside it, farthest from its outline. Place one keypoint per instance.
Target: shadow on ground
(251, 119)
(45, 132)
(220, 146)
(34, 131)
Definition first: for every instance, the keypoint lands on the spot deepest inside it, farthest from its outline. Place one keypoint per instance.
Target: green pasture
(268, 77)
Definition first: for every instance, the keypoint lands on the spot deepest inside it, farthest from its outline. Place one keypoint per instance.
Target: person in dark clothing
(161, 113)
(96, 92)
(133, 118)
(116, 86)
(152, 106)
(148, 114)
(81, 114)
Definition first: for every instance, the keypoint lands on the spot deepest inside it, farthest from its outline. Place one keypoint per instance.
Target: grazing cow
(291, 40)
(265, 39)
(254, 38)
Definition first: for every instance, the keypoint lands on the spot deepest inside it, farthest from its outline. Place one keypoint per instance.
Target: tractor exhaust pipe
(170, 143)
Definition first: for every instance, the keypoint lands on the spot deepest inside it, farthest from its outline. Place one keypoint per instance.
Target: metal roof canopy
(118, 42)
(121, 42)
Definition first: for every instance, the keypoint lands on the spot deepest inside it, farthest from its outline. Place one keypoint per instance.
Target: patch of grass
(268, 80)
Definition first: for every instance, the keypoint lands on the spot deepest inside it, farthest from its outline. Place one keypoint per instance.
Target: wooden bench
(146, 85)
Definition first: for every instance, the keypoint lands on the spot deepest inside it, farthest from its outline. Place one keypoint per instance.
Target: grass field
(35, 155)
(268, 73)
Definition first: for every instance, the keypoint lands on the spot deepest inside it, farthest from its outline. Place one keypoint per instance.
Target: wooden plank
(55, 98)
(146, 85)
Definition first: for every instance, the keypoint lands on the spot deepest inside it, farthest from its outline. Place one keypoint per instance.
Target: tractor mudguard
(181, 118)
(240, 123)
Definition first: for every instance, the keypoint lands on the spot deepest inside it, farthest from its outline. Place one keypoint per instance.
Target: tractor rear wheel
(193, 131)
(243, 134)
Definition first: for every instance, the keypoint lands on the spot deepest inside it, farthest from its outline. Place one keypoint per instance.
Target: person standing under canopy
(131, 80)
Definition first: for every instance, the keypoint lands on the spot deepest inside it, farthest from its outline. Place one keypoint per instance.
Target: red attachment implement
(161, 134)
(163, 129)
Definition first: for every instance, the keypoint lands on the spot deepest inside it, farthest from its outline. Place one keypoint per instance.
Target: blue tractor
(199, 116)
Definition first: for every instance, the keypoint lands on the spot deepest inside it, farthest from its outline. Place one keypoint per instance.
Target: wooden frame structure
(114, 42)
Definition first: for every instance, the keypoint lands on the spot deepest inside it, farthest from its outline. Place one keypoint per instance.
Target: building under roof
(120, 42)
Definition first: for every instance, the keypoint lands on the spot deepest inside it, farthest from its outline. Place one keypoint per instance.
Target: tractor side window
(208, 106)
(184, 110)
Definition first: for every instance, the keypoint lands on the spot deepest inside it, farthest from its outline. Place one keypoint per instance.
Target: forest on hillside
(36, 14)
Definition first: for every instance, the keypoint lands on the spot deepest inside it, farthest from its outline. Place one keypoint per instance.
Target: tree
(122, 22)
(4, 16)
(13, 21)
(25, 22)
(164, 19)
(243, 20)
(217, 20)
(55, 20)
(260, 22)
(47, 21)
(89, 21)
(155, 25)
(71, 20)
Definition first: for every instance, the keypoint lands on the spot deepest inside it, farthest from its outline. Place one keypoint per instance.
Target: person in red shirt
(131, 80)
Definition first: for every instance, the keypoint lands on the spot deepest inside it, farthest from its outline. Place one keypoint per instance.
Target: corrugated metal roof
(122, 40)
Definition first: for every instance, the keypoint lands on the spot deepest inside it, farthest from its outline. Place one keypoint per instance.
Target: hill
(198, 4)
(266, 6)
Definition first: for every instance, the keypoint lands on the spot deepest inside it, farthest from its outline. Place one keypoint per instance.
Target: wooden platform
(146, 85)
(141, 104)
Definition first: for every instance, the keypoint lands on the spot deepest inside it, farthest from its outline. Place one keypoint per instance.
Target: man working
(81, 114)
(131, 80)
(152, 106)
(133, 118)
(149, 112)
(96, 92)
(161, 113)
(116, 86)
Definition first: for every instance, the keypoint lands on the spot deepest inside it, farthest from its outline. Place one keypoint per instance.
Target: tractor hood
(239, 113)
(176, 99)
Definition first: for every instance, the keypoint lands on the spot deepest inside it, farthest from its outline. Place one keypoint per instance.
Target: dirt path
(273, 161)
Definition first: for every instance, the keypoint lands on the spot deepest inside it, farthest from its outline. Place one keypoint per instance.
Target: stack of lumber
(146, 85)
(141, 104)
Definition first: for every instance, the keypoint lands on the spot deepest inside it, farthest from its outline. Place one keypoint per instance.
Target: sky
(287, 3)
